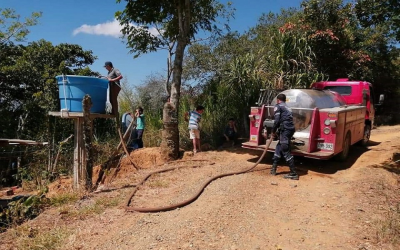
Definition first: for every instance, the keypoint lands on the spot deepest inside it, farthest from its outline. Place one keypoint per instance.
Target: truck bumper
(314, 155)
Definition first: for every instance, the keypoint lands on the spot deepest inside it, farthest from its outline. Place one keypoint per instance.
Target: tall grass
(152, 132)
(214, 119)
(389, 227)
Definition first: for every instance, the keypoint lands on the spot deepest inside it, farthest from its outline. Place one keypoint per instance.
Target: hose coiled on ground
(191, 199)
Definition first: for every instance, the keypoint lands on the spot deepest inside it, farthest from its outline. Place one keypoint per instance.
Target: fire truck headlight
(327, 122)
(327, 131)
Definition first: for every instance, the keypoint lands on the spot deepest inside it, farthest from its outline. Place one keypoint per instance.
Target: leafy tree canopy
(380, 14)
(28, 85)
(149, 25)
(11, 28)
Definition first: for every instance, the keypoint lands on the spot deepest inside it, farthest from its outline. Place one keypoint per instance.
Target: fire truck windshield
(343, 90)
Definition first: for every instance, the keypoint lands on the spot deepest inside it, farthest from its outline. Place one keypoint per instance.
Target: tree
(206, 61)
(232, 70)
(11, 28)
(27, 83)
(380, 14)
(128, 97)
(380, 22)
(177, 22)
(331, 28)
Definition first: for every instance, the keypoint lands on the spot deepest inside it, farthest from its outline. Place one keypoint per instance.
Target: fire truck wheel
(342, 156)
(367, 134)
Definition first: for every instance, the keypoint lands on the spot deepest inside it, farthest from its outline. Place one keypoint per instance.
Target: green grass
(98, 206)
(64, 198)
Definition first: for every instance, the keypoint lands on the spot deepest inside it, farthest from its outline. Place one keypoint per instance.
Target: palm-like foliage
(243, 78)
(289, 62)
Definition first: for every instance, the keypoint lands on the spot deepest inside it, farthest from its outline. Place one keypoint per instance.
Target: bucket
(72, 89)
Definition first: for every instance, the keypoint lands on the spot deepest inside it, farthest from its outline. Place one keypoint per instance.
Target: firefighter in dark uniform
(283, 120)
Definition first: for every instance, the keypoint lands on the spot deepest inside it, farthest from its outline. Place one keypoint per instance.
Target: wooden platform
(80, 167)
(67, 114)
(14, 142)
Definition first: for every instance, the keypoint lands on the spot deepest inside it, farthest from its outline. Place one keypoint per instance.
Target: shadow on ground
(326, 167)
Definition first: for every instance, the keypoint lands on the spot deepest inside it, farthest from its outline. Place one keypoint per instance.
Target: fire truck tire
(342, 156)
(367, 134)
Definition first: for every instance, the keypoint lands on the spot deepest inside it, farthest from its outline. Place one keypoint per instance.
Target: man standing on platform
(114, 75)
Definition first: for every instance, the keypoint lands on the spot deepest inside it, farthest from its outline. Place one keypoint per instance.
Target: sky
(92, 25)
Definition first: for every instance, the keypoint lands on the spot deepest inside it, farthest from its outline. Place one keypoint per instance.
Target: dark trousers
(114, 91)
(232, 141)
(139, 140)
(283, 146)
(132, 143)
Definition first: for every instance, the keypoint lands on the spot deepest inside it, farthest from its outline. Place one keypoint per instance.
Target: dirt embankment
(334, 205)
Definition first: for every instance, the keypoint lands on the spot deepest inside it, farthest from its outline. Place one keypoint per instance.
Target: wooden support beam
(83, 162)
(66, 114)
(106, 165)
(78, 154)
(87, 164)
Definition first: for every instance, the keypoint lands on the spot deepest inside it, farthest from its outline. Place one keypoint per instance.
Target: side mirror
(381, 98)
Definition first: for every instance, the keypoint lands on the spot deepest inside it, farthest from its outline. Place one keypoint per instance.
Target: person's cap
(108, 64)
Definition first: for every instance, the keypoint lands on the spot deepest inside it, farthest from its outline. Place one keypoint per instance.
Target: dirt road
(334, 205)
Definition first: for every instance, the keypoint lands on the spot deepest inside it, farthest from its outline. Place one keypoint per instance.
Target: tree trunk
(170, 133)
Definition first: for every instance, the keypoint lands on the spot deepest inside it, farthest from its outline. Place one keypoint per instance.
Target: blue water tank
(73, 88)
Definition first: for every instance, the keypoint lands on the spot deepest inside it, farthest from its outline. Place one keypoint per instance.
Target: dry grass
(158, 184)
(89, 207)
(36, 239)
(157, 181)
(388, 225)
(388, 230)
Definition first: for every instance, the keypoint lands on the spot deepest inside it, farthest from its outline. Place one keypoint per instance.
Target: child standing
(140, 124)
(194, 118)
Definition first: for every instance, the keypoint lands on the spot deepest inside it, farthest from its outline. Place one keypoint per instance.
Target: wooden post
(78, 135)
(87, 166)
(83, 159)
(105, 165)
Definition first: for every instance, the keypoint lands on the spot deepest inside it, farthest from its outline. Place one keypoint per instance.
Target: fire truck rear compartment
(321, 121)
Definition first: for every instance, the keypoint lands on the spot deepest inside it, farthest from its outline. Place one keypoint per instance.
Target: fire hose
(191, 199)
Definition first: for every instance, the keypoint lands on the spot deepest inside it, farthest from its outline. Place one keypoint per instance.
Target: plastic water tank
(73, 88)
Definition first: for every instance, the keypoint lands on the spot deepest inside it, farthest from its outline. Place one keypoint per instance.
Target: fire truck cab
(359, 93)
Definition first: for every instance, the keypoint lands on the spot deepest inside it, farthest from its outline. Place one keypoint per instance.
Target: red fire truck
(355, 93)
(329, 118)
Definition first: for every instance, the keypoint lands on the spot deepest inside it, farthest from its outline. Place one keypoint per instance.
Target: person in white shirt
(194, 118)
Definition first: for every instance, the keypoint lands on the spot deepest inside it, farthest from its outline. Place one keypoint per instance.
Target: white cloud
(110, 28)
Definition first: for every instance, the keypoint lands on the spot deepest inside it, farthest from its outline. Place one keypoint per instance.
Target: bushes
(20, 209)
